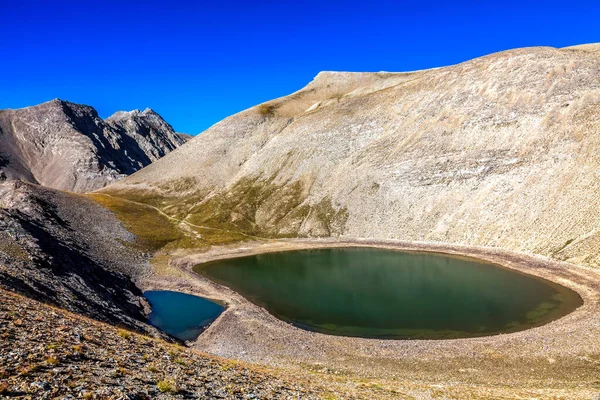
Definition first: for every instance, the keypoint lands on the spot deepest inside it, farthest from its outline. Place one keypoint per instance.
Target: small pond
(181, 315)
(380, 293)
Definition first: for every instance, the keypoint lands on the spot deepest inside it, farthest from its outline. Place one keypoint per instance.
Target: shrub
(52, 360)
(124, 334)
(266, 109)
(180, 361)
(167, 386)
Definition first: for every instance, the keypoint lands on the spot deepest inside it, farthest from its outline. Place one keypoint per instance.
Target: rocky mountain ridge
(67, 146)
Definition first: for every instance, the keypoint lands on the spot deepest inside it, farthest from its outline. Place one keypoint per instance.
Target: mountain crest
(67, 146)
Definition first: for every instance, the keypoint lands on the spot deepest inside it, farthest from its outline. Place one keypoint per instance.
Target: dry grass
(167, 386)
(152, 229)
(53, 361)
(124, 334)
(266, 109)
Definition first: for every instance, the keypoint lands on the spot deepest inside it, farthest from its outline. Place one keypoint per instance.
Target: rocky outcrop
(499, 151)
(66, 250)
(153, 134)
(67, 146)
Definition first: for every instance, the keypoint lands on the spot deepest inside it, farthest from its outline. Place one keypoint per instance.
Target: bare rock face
(153, 134)
(67, 146)
(497, 151)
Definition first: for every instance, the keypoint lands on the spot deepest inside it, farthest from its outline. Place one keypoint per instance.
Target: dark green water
(380, 293)
(181, 315)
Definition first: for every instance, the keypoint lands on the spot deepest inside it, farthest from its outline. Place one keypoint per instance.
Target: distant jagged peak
(67, 146)
(134, 114)
(149, 111)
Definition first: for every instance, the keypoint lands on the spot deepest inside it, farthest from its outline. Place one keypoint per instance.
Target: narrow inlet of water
(181, 315)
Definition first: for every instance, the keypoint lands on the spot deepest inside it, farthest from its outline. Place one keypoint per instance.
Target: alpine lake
(389, 294)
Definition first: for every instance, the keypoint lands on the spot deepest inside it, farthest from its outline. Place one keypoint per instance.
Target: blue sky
(198, 62)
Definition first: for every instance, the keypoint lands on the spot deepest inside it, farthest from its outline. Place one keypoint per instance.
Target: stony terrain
(498, 151)
(47, 353)
(66, 250)
(67, 146)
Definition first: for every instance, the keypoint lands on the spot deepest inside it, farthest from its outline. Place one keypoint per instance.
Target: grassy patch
(12, 249)
(53, 361)
(152, 229)
(262, 208)
(167, 386)
(254, 208)
(124, 334)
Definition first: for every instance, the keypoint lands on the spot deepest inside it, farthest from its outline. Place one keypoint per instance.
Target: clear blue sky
(198, 62)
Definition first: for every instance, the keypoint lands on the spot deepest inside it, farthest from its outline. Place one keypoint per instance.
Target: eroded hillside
(498, 151)
(66, 250)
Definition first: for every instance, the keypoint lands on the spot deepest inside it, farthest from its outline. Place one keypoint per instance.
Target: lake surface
(382, 293)
(181, 315)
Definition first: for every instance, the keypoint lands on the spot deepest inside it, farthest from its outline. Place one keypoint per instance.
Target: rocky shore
(557, 360)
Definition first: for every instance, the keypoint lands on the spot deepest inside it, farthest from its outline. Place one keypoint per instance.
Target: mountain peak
(135, 113)
(52, 144)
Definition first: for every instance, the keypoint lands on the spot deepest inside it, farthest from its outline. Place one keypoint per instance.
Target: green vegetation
(167, 386)
(254, 208)
(262, 208)
(152, 229)
(52, 361)
(12, 249)
(124, 334)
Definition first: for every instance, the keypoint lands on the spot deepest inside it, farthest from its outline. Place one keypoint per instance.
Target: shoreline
(545, 356)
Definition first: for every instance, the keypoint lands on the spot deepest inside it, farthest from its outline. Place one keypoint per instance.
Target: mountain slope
(66, 250)
(497, 151)
(55, 354)
(67, 146)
